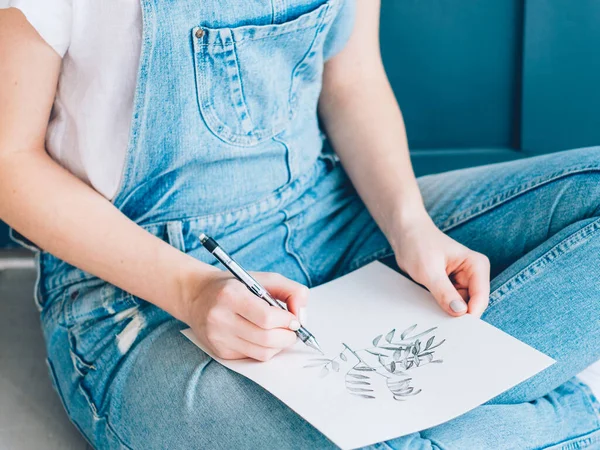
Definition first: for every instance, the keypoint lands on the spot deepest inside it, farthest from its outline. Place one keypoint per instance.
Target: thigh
(188, 400)
(503, 211)
(566, 418)
(129, 379)
(506, 210)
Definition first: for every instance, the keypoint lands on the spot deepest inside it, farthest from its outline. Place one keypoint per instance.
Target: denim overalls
(225, 140)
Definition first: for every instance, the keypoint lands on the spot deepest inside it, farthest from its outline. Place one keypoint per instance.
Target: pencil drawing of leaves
(394, 360)
(424, 333)
(429, 342)
(376, 340)
(353, 389)
(313, 365)
(390, 336)
(356, 375)
(407, 331)
(335, 366)
(398, 385)
(363, 395)
(437, 345)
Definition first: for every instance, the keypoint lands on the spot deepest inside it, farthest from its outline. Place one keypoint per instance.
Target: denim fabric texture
(225, 140)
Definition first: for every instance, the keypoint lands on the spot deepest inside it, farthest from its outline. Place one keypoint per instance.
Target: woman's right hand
(233, 323)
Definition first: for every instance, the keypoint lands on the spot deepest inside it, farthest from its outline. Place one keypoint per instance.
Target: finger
(266, 316)
(464, 293)
(275, 338)
(446, 294)
(479, 286)
(294, 294)
(228, 354)
(254, 351)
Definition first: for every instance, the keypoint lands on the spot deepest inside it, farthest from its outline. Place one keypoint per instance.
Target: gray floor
(31, 415)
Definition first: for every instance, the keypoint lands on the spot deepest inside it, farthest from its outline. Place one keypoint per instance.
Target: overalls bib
(225, 111)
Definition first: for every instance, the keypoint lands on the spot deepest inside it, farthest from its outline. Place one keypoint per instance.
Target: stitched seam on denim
(291, 252)
(175, 235)
(94, 412)
(64, 403)
(276, 31)
(273, 201)
(36, 286)
(239, 41)
(506, 196)
(318, 32)
(241, 84)
(289, 158)
(578, 442)
(536, 267)
(138, 115)
(75, 355)
(226, 133)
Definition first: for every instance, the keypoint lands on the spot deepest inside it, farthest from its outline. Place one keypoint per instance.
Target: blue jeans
(129, 379)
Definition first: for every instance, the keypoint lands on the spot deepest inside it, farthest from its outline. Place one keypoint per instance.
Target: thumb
(446, 295)
(293, 294)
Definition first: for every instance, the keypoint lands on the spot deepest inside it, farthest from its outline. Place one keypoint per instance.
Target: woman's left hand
(458, 278)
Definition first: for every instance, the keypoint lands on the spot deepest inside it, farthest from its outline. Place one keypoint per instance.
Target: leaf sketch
(389, 359)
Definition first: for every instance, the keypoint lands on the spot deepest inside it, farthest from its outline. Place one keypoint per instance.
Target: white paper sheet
(478, 361)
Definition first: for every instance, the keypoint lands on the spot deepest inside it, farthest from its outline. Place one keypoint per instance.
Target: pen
(254, 286)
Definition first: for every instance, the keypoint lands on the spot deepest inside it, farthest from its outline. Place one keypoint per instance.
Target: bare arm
(67, 218)
(53, 208)
(365, 124)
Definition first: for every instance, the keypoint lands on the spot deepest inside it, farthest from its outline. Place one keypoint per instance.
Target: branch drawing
(392, 360)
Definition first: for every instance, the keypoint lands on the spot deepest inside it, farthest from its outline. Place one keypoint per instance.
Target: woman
(175, 118)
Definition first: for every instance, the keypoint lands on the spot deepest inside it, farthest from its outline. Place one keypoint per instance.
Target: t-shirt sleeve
(52, 19)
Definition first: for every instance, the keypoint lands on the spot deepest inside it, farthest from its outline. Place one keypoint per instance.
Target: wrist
(190, 280)
(406, 220)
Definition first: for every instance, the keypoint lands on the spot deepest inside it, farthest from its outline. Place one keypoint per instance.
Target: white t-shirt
(100, 42)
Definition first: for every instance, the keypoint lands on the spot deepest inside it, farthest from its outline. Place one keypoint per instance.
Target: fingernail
(302, 315)
(458, 306)
(294, 325)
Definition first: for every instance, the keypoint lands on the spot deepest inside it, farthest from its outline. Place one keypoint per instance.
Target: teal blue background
(483, 81)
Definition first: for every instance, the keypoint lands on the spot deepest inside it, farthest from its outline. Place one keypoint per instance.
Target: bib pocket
(249, 79)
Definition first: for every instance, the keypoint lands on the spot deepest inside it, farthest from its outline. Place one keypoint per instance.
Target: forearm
(67, 218)
(366, 128)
